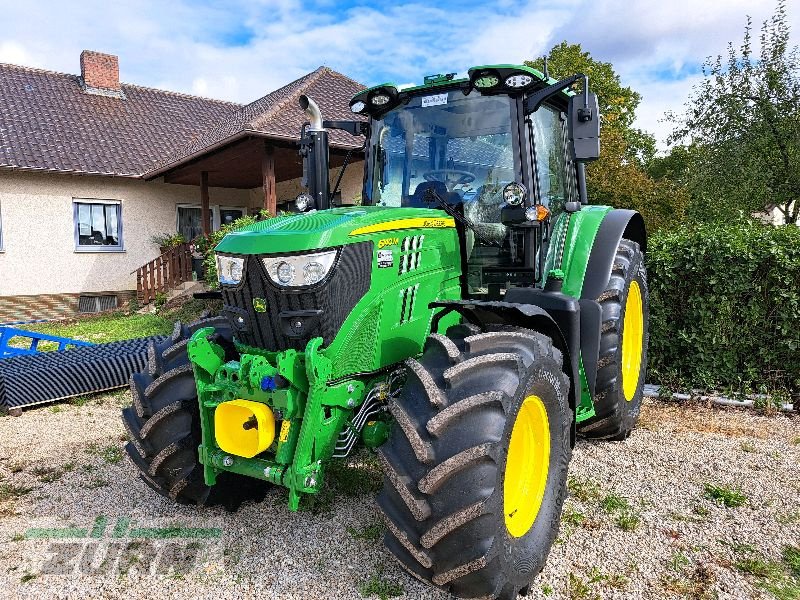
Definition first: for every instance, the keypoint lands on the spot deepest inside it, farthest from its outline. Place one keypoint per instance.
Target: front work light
(299, 269)
(380, 99)
(486, 81)
(520, 80)
(514, 194)
(229, 269)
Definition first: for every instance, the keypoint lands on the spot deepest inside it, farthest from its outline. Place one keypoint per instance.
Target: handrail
(163, 273)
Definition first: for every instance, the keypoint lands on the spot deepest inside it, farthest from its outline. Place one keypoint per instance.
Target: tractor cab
(481, 150)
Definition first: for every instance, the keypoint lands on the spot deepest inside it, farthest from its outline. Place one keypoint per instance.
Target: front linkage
(241, 400)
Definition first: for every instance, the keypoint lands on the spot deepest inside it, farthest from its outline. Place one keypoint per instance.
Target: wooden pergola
(251, 161)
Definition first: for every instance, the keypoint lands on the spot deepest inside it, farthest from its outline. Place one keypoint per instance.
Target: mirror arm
(535, 100)
(354, 128)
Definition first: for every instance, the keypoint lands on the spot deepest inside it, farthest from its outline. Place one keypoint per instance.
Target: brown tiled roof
(277, 115)
(47, 122)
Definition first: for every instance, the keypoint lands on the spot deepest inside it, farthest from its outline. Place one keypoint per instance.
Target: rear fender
(587, 249)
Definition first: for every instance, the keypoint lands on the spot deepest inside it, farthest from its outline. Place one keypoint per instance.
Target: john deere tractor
(468, 320)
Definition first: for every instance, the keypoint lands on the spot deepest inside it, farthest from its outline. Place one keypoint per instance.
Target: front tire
(476, 464)
(163, 426)
(623, 347)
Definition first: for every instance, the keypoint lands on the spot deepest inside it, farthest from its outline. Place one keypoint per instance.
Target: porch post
(268, 179)
(205, 211)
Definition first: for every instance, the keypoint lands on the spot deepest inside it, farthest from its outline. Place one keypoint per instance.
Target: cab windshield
(461, 146)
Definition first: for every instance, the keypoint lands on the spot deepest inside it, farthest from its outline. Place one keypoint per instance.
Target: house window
(98, 225)
(190, 220)
(229, 215)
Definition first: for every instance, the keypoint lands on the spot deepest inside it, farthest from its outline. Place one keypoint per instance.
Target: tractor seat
(417, 200)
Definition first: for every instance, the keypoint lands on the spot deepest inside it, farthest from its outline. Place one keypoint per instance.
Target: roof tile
(48, 122)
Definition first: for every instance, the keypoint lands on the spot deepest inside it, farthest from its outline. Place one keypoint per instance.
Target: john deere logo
(260, 305)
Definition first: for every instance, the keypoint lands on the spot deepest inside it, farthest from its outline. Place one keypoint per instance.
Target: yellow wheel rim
(526, 466)
(632, 335)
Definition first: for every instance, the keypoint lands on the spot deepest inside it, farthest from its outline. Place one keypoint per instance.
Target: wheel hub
(632, 335)
(527, 466)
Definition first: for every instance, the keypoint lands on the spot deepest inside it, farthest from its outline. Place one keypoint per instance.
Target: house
(92, 168)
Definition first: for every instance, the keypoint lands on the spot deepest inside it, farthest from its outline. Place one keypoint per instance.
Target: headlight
(380, 99)
(300, 269)
(514, 193)
(229, 269)
(303, 202)
(357, 106)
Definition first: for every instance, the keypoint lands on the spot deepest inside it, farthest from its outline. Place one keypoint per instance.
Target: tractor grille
(319, 310)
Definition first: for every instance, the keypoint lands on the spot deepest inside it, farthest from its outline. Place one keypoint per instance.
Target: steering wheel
(450, 177)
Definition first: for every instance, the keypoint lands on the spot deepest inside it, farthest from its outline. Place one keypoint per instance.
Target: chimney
(100, 71)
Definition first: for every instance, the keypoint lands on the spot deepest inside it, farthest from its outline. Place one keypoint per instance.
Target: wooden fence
(163, 273)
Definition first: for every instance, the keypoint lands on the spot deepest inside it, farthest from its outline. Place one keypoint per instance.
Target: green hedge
(725, 307)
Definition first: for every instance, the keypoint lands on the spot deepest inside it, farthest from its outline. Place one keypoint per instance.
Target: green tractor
(468, 320)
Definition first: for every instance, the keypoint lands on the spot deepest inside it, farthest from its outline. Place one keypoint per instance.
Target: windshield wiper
(432, 196)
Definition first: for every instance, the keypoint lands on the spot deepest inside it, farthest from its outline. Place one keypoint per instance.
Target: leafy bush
(167, 240)
(725, 301)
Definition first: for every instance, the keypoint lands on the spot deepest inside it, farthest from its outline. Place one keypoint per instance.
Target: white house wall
(38, 231)
(38, 255)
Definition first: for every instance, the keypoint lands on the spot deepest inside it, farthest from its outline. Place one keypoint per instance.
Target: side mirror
(584, 127)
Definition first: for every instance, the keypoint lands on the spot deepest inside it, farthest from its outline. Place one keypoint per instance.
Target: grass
(779, 578)
(614, 502)
(626, 518)
(9, 491)
(570, 516)
(580, 589)
(110, 454)
(378, 585)
(791, 557)
(748, 447)
(372, 531)
(722, 494)
(112, 327)
(583, 489)
(758, 567)
(793, 516)
(27, 577)
(344, 478)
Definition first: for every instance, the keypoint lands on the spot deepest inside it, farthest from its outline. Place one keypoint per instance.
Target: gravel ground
(638, 523)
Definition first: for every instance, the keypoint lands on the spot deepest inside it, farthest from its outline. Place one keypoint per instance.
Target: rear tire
(163, 426)
(620, 385)
(445, 492)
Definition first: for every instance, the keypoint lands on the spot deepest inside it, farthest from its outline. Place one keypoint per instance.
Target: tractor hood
(326, 228)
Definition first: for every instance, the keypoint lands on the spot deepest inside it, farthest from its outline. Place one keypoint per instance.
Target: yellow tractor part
(527, 466)
(244, 428)
(632, 337)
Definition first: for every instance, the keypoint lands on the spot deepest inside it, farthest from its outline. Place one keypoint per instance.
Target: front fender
(583, 246)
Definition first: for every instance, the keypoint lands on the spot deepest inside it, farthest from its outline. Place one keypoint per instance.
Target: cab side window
(552, 160)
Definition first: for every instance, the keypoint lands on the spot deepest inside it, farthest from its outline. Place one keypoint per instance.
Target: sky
(241, 49)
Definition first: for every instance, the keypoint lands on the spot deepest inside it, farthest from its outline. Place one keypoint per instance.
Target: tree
(619, 177)
(743, 125)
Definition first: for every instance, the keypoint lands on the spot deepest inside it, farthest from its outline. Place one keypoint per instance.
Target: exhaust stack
(312, 112)
(314, 150)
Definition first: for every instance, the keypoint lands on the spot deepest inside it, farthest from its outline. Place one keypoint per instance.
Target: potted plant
(165, 241)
